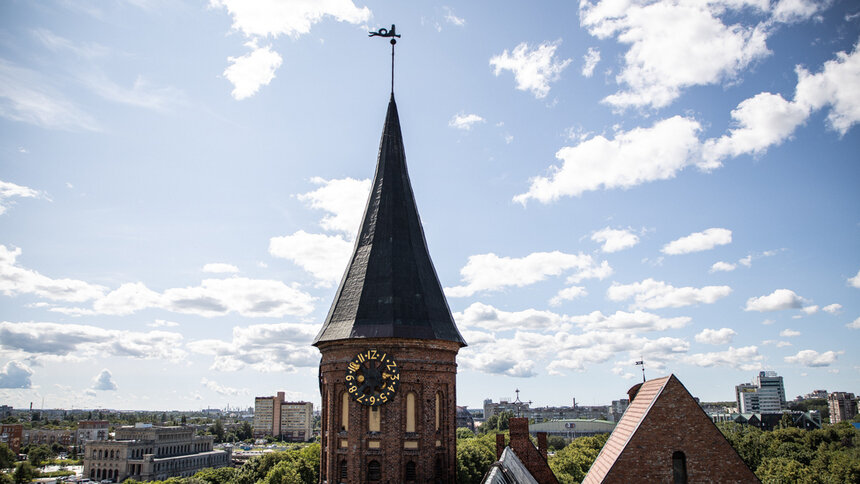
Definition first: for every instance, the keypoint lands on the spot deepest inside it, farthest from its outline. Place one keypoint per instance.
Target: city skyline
(602, 183)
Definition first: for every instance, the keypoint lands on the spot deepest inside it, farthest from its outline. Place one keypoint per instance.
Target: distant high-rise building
(11, 435)
(278, 418)
(766, 394)
(842, 405)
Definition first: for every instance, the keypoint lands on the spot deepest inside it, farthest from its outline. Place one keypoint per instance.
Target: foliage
(791, 455)
(37, 454)
(497, 422)
(304, 460)
(571, 463)
(218, 431)
(24, 473)
(475, 455)
(464, 433)
(7, 457)
(555, 442)
(216, 476)
(819, 404)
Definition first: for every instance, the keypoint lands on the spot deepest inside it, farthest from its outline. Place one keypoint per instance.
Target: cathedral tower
(389, 345)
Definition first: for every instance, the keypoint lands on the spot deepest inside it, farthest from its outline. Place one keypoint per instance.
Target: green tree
(571, 463)
(39, 454)
(779, 470)
(474, 458)
(7, 457)
(218, 431)
(221, 475)
(245, 431)
(464, 433)
(24, 473)
(284, 472)
(555, 442)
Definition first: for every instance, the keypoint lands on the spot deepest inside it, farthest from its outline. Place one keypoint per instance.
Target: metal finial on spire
(520, 404)
(388, 33)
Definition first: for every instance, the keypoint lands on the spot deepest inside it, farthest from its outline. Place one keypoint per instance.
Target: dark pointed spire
(390, 288)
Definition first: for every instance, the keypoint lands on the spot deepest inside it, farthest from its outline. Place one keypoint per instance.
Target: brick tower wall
(427, 367)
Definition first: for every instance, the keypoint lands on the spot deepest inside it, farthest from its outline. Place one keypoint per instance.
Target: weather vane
(642, 362)
(520, 404)
(392, 34)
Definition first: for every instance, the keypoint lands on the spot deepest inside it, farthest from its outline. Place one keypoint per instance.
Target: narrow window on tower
(374, 423)
(411, 474)
(344, 412)
(341, 471)
(374, 471)
(410, 412)
(679, 468)
(438, 410)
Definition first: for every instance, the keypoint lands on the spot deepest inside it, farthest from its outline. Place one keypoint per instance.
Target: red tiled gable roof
(636, 412)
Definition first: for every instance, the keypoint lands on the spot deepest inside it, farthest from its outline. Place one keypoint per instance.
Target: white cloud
(631, 158)
(746, 261)
(789, 333)
(465, 121)
(161, 323)
(264, 18)
(141, 94)
(343, 198)
(480, 315)
(25, 96)
(15, 279)
(589, 61)
(9, 190)
(716, 336)
(779, 344)
(534, 69)
(723, 267)
(651, 294)
(278, 347)
(698, 241)
(324, 256)
(221, 389)
(778, 300)
(810, 309)
(762, 121)
(489, 272)
(251, 71)
(674, 44)
(52, 341)
(247, 297)
(837, 86)
(453, 19)
(834, 308)
(631, 321)
(854, 324)
(813, 358)
(220, 268)
(104, 381)
(16, 374)
(615, 239)
(796, 10)
(745, 358)
(568, 294)
(854, 281)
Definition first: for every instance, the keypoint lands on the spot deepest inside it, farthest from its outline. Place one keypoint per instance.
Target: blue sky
(600, 182)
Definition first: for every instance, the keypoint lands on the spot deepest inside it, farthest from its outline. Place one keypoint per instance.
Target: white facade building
(766, 394)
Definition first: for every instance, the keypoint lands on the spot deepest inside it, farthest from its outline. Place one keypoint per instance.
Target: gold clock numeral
(353, 366)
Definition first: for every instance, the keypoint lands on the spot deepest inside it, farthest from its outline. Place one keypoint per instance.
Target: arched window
(374, 471)
(374, 421)
(679, 468)
(344, 412)
(438, 410)
(411, 474)
(410, 412)
(341, 471)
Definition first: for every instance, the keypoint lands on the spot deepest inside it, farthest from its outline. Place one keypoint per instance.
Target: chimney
(280, 396)
(500, 445)
(542, 447)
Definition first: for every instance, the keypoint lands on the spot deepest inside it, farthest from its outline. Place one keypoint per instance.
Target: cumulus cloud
(533, 69)
(221, 389)
(567, 294)
(639, 321)
(104, 381)
(778, 300)
(788, 333)
(220, 268)
(834, 308)
(615, 239)
(716, 336)
(344, 200)
(278, 347)
(813, 358)
(745, 358)
(51, 341)
(15, 280)
(589, 61)
(250, 72)
(465, 121)
(480, 315)
(854, 324)
(673, 45)
(810, 309)
(652, 294)
(323, 256)
(489, 272)
(699, 241)
(258, 19)
(854, 281)
(10, 190)
(835, 86)
(16, 374)
(723, 267)
(630, 158)
(161, 323)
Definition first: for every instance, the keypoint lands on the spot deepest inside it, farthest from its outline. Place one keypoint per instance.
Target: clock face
(372, 378)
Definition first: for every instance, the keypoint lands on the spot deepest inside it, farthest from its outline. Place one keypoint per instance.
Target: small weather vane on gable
(392, 33)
